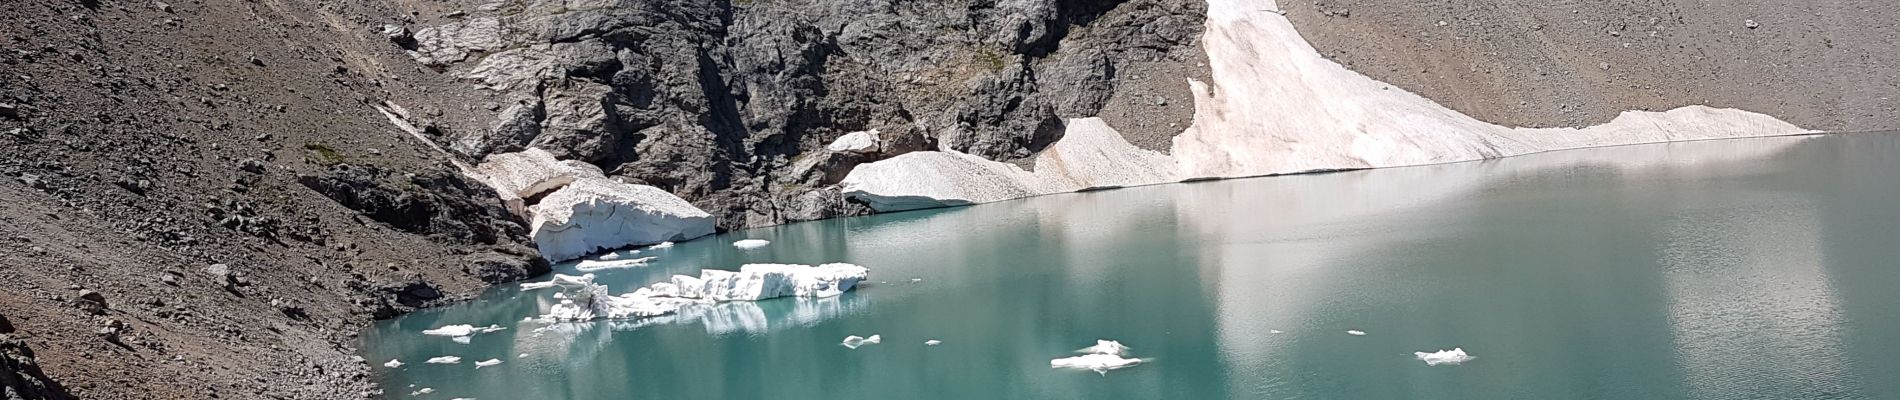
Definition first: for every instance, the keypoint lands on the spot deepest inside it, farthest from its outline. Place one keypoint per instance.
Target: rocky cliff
(732, 105)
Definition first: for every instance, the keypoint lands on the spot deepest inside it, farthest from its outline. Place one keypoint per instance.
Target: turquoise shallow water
(1759, 268)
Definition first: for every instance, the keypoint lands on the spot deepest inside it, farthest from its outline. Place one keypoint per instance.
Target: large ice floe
(462, 330)
(1444, 357)
(583, 300)
(577, 210)
(1105, 355)
(1275, 106)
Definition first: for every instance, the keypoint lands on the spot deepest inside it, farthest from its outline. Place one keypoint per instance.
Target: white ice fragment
(487, 363)
(1453, 357)
(463, 398)
(560, 280)
(1100, 363)
(853, 341)
(750, 244)
(461, 330)
(662, 245)
(915, 280)
(591, 265)
(445, 360)
(1274, 331)
(1103, 356)
(393, 363)
(1356, 332)
(461, 339)
(1108, 347)
(422, 391)
(932, 342)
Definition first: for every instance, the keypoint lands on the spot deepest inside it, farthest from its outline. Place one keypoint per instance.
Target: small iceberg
(461, 330)
(487, 363)
(591, 265)
(1274, 331)
(1454, 356)
(750, 244)
(583, 300)
(853, 341)
(1356, 332)
(662, 245)
(445, 360)
(932, 342)
(393, 363)
(422, 391)
(461, 339)
(1105, 355)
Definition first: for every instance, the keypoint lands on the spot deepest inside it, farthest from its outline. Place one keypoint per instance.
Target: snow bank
(589, 215)
(1105, 355)
(1274, 106)
(1452, 357)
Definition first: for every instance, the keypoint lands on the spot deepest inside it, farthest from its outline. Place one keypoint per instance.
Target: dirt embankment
(1826, 64)
(173, 182)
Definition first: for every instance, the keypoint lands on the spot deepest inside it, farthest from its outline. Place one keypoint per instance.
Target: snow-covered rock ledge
(1275, 107)
(580, 211)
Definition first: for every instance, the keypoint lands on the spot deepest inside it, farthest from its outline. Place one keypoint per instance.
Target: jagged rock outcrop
(20, 374)
(731, 104)
(433, 202)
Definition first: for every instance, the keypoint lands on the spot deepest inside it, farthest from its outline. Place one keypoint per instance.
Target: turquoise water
(1760, 268)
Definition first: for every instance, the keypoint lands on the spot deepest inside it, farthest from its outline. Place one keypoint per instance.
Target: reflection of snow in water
(557, 340)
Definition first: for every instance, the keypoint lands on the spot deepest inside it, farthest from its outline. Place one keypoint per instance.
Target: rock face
(1277, 107)
(731, 105)
(433, 202)
(20, 375)
(597, 214)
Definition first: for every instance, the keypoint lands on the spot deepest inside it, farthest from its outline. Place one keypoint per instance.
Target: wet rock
(493, 268)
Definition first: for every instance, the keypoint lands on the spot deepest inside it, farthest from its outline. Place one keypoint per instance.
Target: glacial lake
(1755, 268)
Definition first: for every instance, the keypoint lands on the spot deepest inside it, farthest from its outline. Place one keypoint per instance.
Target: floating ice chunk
(422, 391)
(1100, 363)
(662, 245)
(915, 280)
(1108, 347)
(487, 363)
(750, 244)
(932, 342)
(1356, 332)
(1274, 331)
(1103, 356)
(393, 363)
(615, 255)
(591, 265)
(562, 281)
(463, 398)
(1454, 356)
(853, 341)
(461, 330)
(461, 339)
(445, 360)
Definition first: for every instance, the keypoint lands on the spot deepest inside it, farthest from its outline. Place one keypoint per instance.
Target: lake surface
(1757, 268)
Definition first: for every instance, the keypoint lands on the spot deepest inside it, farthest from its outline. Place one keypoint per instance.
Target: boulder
(593, 214)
